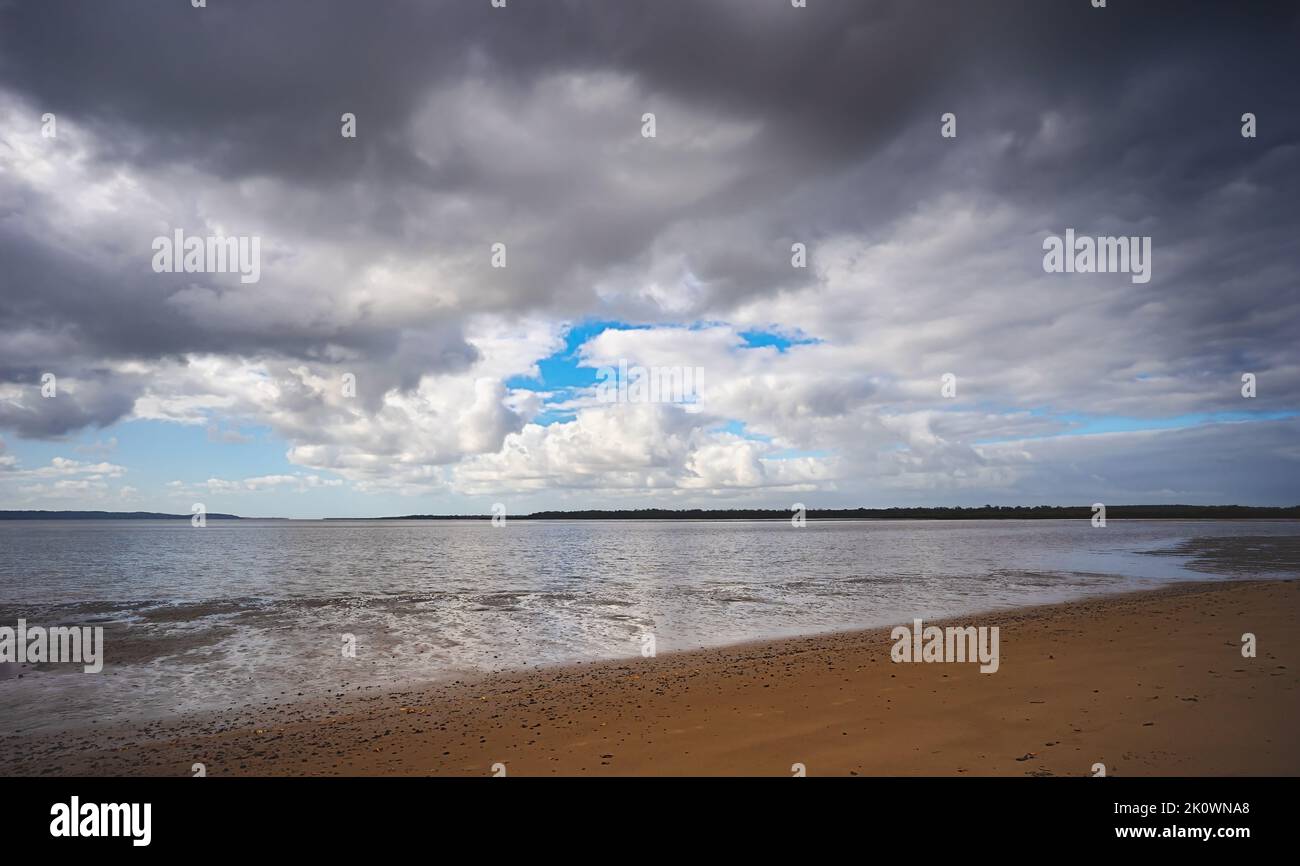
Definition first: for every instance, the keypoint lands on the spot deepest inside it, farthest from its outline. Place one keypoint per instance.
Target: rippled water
(245, 611)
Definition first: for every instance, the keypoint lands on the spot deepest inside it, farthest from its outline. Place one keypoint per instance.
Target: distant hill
(106, 515)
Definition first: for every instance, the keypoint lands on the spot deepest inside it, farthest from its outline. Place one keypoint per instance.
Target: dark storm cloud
(96, 400)
(248, 89)
(255, 88)
(1119, 118)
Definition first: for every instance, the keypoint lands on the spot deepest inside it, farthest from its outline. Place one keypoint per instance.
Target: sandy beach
(1150, 683)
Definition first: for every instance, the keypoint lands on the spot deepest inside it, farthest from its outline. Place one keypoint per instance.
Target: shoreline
(1147, 683)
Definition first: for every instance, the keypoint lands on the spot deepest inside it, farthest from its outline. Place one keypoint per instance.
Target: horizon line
(935, 512)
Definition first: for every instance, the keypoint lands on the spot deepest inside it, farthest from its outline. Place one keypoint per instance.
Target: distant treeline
(106, 515)
(985, 512)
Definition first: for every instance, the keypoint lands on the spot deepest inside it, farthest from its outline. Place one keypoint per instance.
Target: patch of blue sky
(562, 376)
(1121, 424)
(738, 428)
(561, 371)
(781, 342)
(1079, 424)
(156, 452)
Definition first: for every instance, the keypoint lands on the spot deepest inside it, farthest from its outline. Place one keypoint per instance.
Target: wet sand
(1147, 684)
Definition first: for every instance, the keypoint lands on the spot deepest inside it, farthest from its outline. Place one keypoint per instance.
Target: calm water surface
(242, 612)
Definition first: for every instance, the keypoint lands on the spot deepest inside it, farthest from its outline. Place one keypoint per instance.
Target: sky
(385, 362)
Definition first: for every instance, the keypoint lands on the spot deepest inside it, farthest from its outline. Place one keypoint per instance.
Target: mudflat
(1151, 683)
